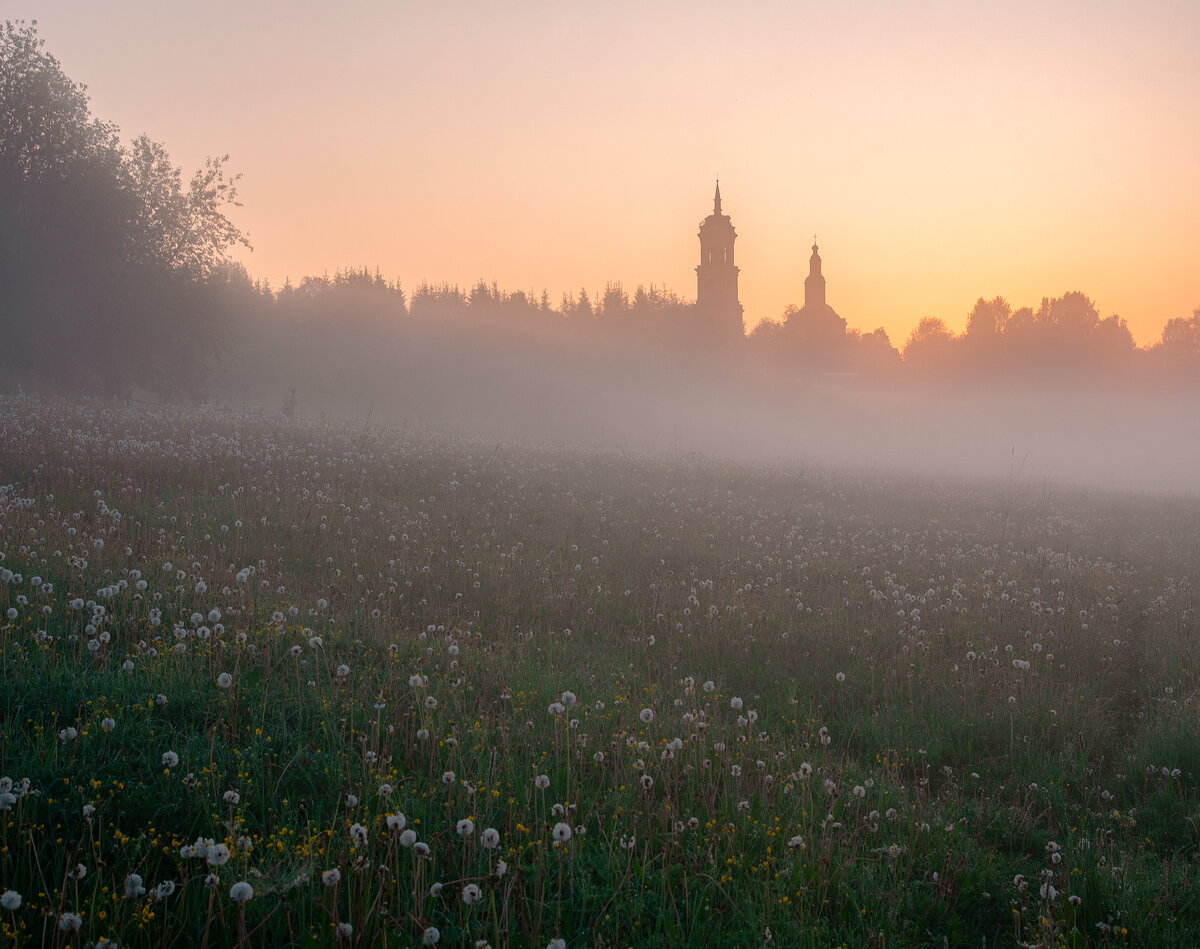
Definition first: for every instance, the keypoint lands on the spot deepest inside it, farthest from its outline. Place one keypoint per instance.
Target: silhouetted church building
(717, 276)
(814, 283)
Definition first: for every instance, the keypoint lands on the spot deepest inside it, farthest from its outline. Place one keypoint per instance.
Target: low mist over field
(666, 403)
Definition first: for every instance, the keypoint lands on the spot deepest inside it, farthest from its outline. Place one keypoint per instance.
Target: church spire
(717, 199)
(814, 285)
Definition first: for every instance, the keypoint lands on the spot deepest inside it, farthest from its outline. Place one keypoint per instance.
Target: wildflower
(735, 703)
(408, 838)
(232, 797)
(431, 936)
(490, 839)
(647, 784)
(797, 843)
(10, 900)
(841, 677)
(556, 944)
(351, 800)
(541, 782)
(435, 890)
(217, 855)
(470, 894)
(241, 891)
(561, 832)
(224, 680)
(70, 922)
(569, 699)
(108, 724)
(465, 827)
(134, 887)
(344, 930)
(447, 778)
(646, 715)
(859, 791)
(70, 733)
(358, 833)
(396, 822)
(331, 877)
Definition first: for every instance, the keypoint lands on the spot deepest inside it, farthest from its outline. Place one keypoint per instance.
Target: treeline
(116, 276)
(1063, 339)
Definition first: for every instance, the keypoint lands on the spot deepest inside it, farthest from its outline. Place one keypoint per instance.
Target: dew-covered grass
(272, 683)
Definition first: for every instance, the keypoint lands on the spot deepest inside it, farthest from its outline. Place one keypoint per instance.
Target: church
(717, 275)
(717, 279)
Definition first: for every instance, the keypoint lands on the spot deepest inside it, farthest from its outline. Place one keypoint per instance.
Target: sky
(940, 151)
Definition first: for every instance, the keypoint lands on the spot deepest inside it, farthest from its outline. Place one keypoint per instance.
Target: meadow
(302, 683)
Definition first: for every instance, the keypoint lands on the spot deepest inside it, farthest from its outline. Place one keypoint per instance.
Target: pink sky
(940, 150)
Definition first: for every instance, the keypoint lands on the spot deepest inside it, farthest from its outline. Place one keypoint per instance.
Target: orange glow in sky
(941, 151)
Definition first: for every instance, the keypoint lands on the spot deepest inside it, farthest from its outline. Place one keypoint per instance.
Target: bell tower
(814, 283)
(716, 276)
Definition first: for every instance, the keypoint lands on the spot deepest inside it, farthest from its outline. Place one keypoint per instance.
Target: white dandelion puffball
(561, 832)
(490, 838)
(646, 715)
(224, 680)
(10, 900)
(241, 891)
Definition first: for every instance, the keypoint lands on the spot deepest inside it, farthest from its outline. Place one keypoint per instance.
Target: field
(271, 683)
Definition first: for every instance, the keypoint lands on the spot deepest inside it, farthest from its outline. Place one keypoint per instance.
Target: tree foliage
(107, 258)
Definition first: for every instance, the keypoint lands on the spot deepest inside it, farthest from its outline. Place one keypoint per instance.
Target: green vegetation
(689, 705)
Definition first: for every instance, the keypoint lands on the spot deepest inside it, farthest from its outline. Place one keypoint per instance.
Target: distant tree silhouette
(931, 347)
(987, 320)
(1067, 337)
(1177, 353)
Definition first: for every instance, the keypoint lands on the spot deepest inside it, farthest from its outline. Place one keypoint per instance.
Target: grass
(877, 712)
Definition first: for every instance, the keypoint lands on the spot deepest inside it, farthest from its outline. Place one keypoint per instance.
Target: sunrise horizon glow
(941, 152)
